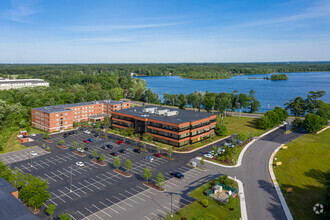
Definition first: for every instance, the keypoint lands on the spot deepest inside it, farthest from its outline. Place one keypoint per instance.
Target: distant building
(21, 83)
(61, 117)
(171, 126)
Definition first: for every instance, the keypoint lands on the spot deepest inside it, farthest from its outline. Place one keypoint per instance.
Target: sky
(164, 31)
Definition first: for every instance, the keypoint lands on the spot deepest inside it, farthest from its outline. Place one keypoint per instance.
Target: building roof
(6, 186)
(65, 107)
(6, 81)
(183, 116)
(10, 207)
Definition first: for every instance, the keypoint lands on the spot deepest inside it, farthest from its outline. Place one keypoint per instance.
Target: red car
(119, 142)
(157, 155)
(86, 141)
(114, 154)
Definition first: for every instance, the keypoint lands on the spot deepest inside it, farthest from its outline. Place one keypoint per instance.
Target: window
(56, 119)
(66, 114)
(66, 122)
(56, 115)
(61, 114)
(56, 124)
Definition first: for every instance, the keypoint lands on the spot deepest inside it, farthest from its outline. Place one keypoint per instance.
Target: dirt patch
(154, 186)
(48, 140)
(79, 153)
(122, 172)
(169, 158)
(142, 149)
(62, 146)
(99, 162)
(34, 211)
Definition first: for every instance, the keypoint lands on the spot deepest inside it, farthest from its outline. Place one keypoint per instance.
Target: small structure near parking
(221, 192)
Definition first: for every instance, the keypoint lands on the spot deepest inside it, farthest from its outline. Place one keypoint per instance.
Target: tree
(205, 202)
(202, 161)
(297, 123)
(48, 148)
(296, 106)
(50, 210)
(242, 136)
(160, 180)
(147, 174)
(65, 216)
(282, 113)
(102, 157)
(234, 100)
(94, 153)
(194, 100)
(74, 145)
(220, 130)
(116, 163)
(61, 142)
(264, 122)
(130, 131)
(214, 150)
(182, 101)
(46, 136)
(313, 123)
(274, 119)
(243, 101)
(170, 151)
(147, 137)
(254, 103)
(209, 101)
(35, 193)
(158, 149)
(128, 165)
(82, 146)
(43, 146)
(107, 121)
(222, 103)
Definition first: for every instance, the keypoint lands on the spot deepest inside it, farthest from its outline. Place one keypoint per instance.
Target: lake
(269, 93)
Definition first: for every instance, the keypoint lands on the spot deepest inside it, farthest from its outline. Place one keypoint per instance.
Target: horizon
(150, 32)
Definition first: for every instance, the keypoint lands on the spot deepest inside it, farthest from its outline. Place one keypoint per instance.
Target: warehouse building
(61, 117)
(21, 83)
(171, 126)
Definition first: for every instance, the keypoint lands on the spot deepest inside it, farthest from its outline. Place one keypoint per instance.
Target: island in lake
(273, 77)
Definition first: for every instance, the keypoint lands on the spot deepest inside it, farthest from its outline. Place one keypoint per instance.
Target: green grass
(236, 125)
(15, 145)
(216, 209)
(304, 164)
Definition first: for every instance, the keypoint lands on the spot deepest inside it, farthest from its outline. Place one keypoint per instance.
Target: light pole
(71, 179)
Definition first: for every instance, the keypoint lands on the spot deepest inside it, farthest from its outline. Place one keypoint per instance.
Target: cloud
(21, 11)
(119, 27)
(321, 9)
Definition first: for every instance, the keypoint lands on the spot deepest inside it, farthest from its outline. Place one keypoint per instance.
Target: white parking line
(161, 211)
(82, 214)
(93, 213)
(102, 210)
(66, 194)
(147, 218)
(135, 196)
(117, 203)
(129, 199)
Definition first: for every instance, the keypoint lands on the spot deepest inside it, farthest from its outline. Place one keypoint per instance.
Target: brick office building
(175, 127)
(61, 117)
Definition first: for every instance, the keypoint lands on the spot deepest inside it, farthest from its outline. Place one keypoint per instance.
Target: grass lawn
(15, 145)
(304, 164)
(214, 209)
(236, 125)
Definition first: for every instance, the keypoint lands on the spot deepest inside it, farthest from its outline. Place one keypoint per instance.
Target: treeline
(279, 77)
(187, 70)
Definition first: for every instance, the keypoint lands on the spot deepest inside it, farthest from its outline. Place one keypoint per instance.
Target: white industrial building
(21, 83)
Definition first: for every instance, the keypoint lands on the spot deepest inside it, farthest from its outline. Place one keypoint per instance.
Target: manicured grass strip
(304, 164)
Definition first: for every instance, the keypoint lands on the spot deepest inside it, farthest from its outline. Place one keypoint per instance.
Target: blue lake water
(269, 93)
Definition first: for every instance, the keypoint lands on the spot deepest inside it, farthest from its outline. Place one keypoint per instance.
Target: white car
(33, 153)
(33, 135)
(150, 158)
(208, 155)
(81, 150)
(80, 164)
(87, 132)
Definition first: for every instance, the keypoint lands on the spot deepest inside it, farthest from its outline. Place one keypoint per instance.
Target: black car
(109, 146)
(72, 132)
(96, 135)
(86, 148)
(177, 175)
(105, 147)
(137, 151)
(65, 134)
(122, 151)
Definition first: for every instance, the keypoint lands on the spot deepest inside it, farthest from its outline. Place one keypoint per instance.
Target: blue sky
(160, 31)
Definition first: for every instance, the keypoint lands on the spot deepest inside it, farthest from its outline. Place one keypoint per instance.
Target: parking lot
(97, 192)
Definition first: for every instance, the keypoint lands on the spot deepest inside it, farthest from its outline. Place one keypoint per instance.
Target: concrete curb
(277, 187)
(241, 155)
(241, 198)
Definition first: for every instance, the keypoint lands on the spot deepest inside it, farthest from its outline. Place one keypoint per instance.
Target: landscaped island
(273, 77)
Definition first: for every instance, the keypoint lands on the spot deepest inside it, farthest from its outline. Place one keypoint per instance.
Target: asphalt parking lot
(97, 192)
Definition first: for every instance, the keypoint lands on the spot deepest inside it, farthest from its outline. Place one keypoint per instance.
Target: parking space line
(82, 214)
(141, 193)
(129, 199)
(86, 187)
(73, 192)
(66, 194)
(93, 213)
(72, 217)
(102, 210)
(57, 197)
(135, 195)
(166, 207)
(117, 203)
(50, 178)
(161, 211)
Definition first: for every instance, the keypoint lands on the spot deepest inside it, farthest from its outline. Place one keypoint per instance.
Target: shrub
(297, 123)
(205, 202)
(313, 123)
(242, 136)
(48, 149)
(147, 137)
(220, 130)
(264, 122)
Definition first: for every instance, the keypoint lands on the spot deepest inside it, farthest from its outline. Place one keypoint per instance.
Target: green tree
(61, 142)
(209, 101)
(222, 103)
(264, 122)
(220, 130)
(50, 210)
(128, 165)
(46, 136)
(282, 113)
(160, 180)
(48, 148)
(254, 103)
(147, 137)
(147, 174)
(94, 153)
(182, 101)
(82, 146)
(74, 145)
(107, 121)
(158, 149)
(43, 146)
(194, 100)
(102, 157)
(242, 136)
(130, 131)
(65, 216)
(116, 163)
(170, 152)
(243, 101)
(202, 161)
(296, 106)
(313, 123)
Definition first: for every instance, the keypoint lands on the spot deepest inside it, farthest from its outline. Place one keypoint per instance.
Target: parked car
(96, 135)
(114, 153)
(86, 148)
(80, 164)
(208, 155)
(157, 155)
(33, 153)
(80, 150)
(86, 141)
(104, 147)
(119, 142)
(33, 135)
(177, 175)
(137, 151)
(150, 158)
(90, 139)
(109, 146)
(123, 151)
(87, 132)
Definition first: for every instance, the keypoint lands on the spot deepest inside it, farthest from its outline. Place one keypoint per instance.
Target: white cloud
(21, 11)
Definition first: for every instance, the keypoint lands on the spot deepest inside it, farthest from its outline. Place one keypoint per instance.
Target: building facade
(21, 83)
(174, 127)
(61, 117)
